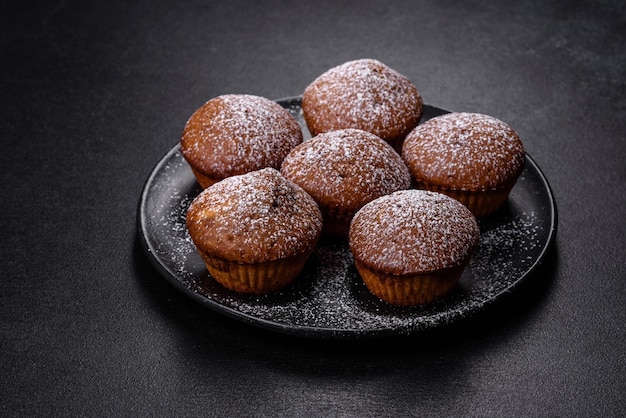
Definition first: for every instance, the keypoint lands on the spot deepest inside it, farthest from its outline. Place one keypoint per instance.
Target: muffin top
(364, 94)
(413, 231)
(255, 217)
(464, 151)
(237, 133)
(346, 168)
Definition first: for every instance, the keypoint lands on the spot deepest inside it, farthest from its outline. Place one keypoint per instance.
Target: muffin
(411, 247)
(254, 231)
(343, 170)
(237, 133)
(471, 157)
(363, 94)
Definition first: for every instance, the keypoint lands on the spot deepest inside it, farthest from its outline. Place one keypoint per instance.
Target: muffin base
(203, 180)
(255, 278)
(480, 202)
(410, 289)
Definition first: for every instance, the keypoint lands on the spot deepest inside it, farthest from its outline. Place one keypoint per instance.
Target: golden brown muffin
(471, 157)
(343, 170)
(411, 247)
(237, 133)
(363, 94)
(254, 231)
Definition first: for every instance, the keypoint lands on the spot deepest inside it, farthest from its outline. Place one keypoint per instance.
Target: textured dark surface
(93, 94)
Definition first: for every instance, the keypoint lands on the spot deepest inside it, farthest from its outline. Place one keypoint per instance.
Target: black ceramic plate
(329, 299)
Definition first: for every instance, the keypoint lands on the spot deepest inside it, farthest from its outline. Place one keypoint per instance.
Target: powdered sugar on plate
(329, 299)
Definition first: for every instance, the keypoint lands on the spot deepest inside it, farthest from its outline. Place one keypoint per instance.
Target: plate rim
(325, 332)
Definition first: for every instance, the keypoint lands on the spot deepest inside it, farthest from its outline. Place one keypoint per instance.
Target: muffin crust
(413, 231)
(464, 151)
(343, 170)
(363, 94)
(237, 133)
(253, 218)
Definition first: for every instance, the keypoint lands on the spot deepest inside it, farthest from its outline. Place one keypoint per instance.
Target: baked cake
(254, 231)
(363, 94)
(343, 170)
(471, 157)
(411, 247)
(237, 133)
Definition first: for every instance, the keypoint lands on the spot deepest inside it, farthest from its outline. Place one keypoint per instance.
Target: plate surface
(329, 299)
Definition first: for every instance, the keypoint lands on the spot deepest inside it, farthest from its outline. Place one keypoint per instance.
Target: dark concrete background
(93, 94)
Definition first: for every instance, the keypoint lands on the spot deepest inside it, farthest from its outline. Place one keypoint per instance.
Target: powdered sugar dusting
(237, 133)
(471, 151)
(511, 245)
(413, 231)
(169, 214)
(329, 294)
(329, 299)
(254, 217)
(363, 94)
(346, 168)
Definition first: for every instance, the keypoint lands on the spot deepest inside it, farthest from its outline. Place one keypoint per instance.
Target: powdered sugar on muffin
(255, 217)
(464, 151)
(413, 231)
(364, 94)
(343, 170)
(346, 167)
(237, 133)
